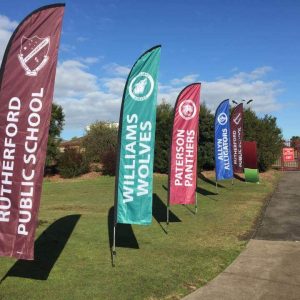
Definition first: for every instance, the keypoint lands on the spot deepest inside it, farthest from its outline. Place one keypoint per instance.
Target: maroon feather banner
(237, 136)
(26, 90)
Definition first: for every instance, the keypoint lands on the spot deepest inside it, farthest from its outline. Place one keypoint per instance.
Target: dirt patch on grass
(269, 175)
(209, 174)
(58, 178)
(72, 208)
(42, 222)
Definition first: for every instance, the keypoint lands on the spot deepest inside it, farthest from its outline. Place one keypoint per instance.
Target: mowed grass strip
(73, 258)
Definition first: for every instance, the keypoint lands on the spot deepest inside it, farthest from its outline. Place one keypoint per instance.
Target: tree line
(101, 141)
(262, 130)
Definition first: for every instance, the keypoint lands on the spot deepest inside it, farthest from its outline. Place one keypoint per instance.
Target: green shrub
(100, 138)
(164, 119)
(72, 163)
(109, 161)
(267, 135)
(206, 159)
(55, 128)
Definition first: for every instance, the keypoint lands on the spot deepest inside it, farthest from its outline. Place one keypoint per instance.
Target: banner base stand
(196, 202)
(217, 187)
(167, 223)
(251, 175)
(113, 255)
(113, 249)
(168, 214)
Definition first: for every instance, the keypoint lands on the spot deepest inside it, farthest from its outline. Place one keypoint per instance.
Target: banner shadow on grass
(205, 192)
(209, 181)
(238, 177)
(159, 212)
(125, 237)
(47, 249)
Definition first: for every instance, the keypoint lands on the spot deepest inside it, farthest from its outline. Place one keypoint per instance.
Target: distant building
(75, 143)
(113, 124)
(108, 124)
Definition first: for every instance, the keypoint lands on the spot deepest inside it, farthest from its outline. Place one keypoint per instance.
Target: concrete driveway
(269, 267)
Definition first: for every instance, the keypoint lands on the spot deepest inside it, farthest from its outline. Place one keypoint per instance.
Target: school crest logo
(187, 109)
(33, 54)
(141, 87)
(237, 119)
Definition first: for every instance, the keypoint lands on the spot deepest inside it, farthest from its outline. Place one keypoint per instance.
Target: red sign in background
(250, 155)
(288, 154)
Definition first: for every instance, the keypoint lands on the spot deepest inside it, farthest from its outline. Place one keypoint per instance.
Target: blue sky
(237, 49)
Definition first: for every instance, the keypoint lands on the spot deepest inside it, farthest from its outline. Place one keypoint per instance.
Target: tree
(267, 135)
(56, 126)
(270, 142)
(251, 125)
(295, 142)
(72, 163)
(164, 120)
(100, 144)
(206, 139)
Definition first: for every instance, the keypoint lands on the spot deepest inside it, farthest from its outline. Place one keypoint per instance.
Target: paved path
(282, 216)
(269, 267)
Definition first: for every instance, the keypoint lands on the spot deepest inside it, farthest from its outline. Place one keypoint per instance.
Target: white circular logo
(187, 109)
(222, 118)
(141, 86)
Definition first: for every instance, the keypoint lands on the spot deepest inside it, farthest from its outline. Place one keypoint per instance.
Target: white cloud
(168, 93)
(97, 105)
(6, 29)
(242, 85)
(185, 80)
(81, 39)
(114, 85)
(6, 23)
(84, 98)
(67, 48)
(259, 72)
(72, 80)
(90, 60)
(116, 69)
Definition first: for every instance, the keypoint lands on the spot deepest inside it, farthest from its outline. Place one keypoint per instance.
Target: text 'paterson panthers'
(185, 158)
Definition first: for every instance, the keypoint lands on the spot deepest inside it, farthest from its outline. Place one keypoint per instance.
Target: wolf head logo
(139, 87)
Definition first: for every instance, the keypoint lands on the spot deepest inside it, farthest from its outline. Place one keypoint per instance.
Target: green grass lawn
(73, 258)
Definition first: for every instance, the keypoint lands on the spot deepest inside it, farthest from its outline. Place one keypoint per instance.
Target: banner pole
(232, 181)
(168, 209)
(114, 246)
(196, 203)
